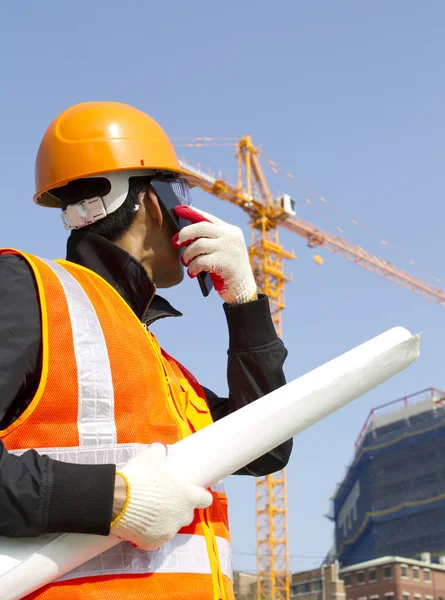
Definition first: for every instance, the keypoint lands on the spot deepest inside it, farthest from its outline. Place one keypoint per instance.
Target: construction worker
(88, 399)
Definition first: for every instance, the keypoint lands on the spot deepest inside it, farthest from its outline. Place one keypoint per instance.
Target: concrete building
(392, 499)
(323, 583)
(244, 585)
(395, 578)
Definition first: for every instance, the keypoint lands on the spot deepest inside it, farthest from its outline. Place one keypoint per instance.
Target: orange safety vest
(106, 391)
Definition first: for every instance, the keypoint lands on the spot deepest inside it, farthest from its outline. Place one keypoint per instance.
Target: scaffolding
(392, 499)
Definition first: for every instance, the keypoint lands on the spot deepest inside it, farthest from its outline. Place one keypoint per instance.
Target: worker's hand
(158, 504)
(219, 248)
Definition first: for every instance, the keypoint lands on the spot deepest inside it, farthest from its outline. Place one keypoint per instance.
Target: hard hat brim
(45, 198)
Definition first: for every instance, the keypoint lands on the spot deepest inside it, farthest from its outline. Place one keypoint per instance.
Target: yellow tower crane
(267, 214)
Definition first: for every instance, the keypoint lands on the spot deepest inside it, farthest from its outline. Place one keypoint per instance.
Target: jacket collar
(122, 271)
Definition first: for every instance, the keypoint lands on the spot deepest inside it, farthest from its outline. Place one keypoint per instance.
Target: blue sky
(346, 95)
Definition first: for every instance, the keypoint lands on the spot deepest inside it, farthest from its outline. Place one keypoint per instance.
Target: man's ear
(152, 206)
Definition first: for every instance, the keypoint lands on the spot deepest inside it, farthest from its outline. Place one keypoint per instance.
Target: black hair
(114, 225)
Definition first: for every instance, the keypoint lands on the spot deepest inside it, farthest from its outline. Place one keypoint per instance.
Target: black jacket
(40, 495)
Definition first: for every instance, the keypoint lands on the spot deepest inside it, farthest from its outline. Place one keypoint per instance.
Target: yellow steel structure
(267, 257)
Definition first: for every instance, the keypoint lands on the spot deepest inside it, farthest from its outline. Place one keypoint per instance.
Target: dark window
(415, 573)
(348, 580)
(404, 571)
(301, 588)
(317, 585)
(427, 575)
(388, 574)
(405, 597)
(361, 577)
(389, 596)
(372, 575)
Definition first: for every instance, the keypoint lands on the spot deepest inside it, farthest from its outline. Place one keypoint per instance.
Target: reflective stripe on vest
(183, 554)
(96, 395)
(96, 425)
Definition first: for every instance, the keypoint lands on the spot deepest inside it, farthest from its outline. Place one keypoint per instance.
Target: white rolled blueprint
(222, 448)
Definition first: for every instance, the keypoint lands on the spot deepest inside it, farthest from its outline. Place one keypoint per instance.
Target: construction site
(391, 502)
(388, 512)
(256, 100)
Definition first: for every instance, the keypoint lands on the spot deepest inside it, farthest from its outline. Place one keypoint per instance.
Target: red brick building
(395, 578)
(388, 578)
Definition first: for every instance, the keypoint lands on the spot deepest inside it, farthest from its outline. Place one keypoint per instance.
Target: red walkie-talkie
(163, 187)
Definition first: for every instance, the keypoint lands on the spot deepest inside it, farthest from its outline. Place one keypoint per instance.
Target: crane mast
(267, 260)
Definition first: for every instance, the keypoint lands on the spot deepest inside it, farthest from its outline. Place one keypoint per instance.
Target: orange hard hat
(95, 138)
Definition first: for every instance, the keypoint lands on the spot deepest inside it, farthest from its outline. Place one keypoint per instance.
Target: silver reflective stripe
(225, 556)
(118, 454)
(96, 395)
(182, 554)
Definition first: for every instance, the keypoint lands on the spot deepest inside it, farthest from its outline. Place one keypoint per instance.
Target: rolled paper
(222, 448)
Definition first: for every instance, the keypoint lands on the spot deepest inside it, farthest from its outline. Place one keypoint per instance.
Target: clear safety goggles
(89, 211)
(181, 189)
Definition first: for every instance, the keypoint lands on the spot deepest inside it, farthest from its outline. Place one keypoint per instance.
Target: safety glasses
(181, 189)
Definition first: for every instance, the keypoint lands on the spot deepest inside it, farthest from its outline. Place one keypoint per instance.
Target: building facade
(323, 583)
(392, 499)
(244, 585)
(395, 578)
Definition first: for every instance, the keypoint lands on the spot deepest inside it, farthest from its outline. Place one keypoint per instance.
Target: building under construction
(392, 499)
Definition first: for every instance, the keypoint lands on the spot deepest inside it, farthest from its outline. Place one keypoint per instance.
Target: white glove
(219, 248)
(158, 504)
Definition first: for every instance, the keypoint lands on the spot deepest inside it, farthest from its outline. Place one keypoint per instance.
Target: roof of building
(246, 574)
(386, 560)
